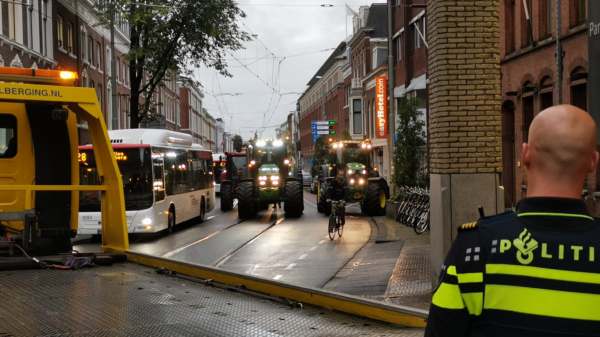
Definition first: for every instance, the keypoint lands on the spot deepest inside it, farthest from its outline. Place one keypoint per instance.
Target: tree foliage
(238, 142)
(169, 36)
(346, 135)
(410, 149)
(320, 156)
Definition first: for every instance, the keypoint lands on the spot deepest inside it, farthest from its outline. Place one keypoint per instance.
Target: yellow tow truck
(39, 169)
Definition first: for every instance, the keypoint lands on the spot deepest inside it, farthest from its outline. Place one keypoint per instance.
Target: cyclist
(339, 190)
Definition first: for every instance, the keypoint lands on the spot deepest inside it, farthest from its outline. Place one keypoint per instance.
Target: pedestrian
(535, 272)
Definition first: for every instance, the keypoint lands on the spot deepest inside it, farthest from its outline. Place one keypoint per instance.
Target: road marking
(315, 247)
(277, 277)
(252, 270)
(321, 242)
(290, 266)
(302, 257)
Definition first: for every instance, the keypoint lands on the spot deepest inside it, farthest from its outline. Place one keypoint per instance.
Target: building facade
(530, 78)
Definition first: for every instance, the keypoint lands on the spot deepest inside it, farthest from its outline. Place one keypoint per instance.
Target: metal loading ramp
(128, 299)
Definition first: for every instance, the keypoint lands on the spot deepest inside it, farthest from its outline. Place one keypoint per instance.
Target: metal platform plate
(132, 300)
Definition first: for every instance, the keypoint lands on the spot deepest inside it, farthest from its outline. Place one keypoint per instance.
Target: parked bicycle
(336, 221)
(414, 209)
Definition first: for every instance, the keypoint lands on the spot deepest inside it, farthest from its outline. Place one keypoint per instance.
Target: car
(314, 185)
(306, 179)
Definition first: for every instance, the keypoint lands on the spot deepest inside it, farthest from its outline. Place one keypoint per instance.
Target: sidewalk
(394, 266)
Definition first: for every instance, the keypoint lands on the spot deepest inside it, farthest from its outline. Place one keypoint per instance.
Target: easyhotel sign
(381, 89)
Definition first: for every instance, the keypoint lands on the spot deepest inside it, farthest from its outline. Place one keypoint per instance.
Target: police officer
(535, 272)
(339, 190)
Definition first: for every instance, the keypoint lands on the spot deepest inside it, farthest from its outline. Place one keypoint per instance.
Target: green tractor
(363, 179)
(270, 179)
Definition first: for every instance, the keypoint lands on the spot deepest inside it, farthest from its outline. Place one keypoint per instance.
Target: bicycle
(335, 219)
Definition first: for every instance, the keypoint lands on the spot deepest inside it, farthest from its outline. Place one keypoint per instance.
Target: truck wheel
(226, 197)
(293, 205)
(322, 202)
(375, 201)
(246, 207)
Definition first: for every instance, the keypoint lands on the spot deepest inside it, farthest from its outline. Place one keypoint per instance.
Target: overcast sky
(287, 28)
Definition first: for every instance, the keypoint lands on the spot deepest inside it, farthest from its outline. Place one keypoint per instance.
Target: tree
(410, 151)
(167, 36)
(238, 142)
(346, 135)
(320, 156)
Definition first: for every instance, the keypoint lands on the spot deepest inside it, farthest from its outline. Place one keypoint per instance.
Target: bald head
(562, 146)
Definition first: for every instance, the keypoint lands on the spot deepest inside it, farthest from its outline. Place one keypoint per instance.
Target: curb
(385, 312)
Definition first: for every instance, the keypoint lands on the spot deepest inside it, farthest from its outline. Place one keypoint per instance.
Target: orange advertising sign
(381, 89)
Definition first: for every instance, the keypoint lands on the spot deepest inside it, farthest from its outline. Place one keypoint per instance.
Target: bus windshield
(135, 165)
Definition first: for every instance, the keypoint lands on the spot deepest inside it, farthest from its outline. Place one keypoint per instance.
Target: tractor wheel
(293, 205)
(226, 197)
(246, 207)
(322, 202)
(375, 201)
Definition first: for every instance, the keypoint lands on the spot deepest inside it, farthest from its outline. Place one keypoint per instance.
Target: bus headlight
(351, 181)
(146, 221)
(361, 181)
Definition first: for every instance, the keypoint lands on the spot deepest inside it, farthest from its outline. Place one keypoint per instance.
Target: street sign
(381, 88)
(310, 161)
(323, 123)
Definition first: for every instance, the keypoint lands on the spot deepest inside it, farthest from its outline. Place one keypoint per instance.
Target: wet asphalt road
(296, 251)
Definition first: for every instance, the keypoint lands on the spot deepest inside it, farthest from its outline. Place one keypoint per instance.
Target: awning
(419, 83)
(399, 91)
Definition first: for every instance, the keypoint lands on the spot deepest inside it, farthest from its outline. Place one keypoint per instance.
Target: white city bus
(166, 180)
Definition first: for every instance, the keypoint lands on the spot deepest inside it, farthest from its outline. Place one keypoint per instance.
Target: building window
(527, 116)
(99, 93)
(526, 28)
(108, 68)
(98, 56)
(546, 19)
(59, 31)
(509, 24)
(44, 29)
(83, 44)
(125, 74)
(578, 12)
(12, 20)
(546, 89)
(92, 84)
(398, 2)
(90, 51)
(118, 68)
(357, 119)
(416, 31)
(70, 37)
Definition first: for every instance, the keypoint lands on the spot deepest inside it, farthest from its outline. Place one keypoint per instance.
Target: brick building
(324, 99)
(529, 76)
(368, 51)
(191, 111)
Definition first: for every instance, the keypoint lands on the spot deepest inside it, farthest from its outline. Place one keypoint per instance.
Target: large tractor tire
(293, 206)
(226, 196)
(376, 199)
(322, 204)
(246, 207)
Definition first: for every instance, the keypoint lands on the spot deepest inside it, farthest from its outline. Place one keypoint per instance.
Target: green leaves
(410, 149)
(238, 142)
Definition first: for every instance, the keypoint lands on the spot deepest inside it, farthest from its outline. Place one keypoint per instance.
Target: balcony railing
(356, 83)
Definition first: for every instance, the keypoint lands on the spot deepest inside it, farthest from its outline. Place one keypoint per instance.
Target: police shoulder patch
(467, 226)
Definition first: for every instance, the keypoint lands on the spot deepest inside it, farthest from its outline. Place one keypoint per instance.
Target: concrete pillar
(465, 117)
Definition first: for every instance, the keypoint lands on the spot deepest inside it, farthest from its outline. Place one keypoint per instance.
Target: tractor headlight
(341, 145)
(274, 177)
(335, 146)
(369, 146)
(350, 172)
(275, 182)
(351, 181)
(262, 178)
(277, 143)
(364, 146)
(253, 162)
(261, 143)
(287, 161)
(263, 183)
(363, 172)
(361, 181)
